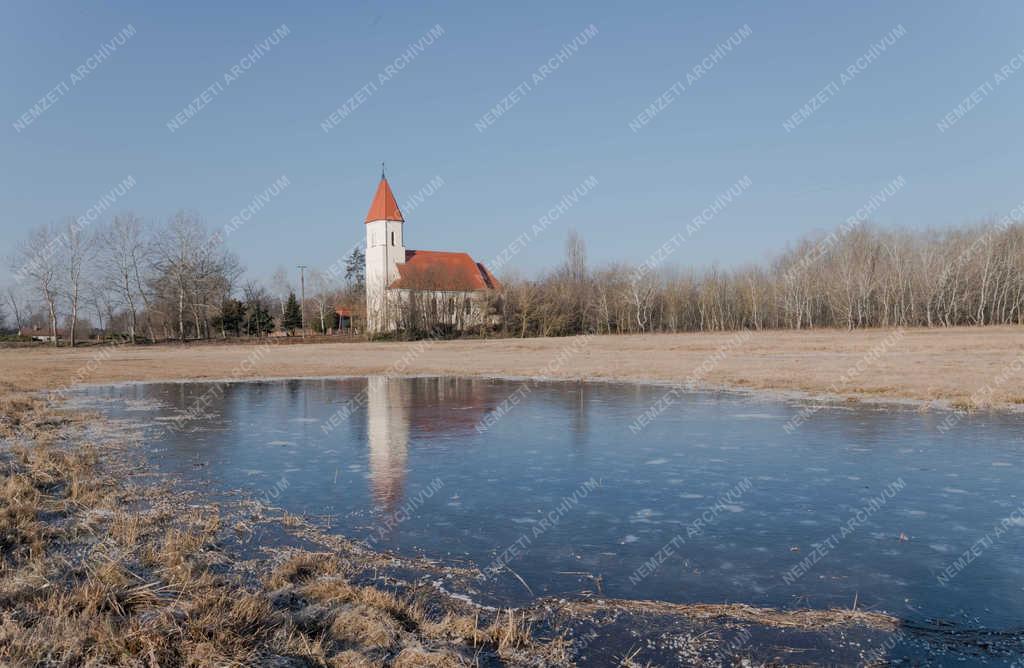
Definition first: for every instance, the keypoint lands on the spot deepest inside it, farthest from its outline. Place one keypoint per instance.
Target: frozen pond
(713, 500)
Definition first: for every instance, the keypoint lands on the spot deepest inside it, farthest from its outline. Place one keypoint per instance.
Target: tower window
(392, 238)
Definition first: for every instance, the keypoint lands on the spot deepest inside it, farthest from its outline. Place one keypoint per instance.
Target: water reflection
(387, 429)
(500, 483)
(432, 408)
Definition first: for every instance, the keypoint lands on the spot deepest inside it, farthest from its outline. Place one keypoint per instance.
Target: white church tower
(385, 249)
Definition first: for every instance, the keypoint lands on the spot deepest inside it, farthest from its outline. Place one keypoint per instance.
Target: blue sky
(572, 125)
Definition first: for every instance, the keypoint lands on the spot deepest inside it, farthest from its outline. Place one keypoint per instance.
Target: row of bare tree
(178, 281)
(157, 282)
(136, 279)
(862, 277)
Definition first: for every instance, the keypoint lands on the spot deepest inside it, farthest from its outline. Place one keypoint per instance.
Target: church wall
(424, 308)
(385, 248)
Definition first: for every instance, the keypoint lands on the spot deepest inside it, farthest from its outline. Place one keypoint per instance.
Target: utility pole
(302, 305)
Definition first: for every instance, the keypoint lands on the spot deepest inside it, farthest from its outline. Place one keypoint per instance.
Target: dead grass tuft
(21, 534)
(353, 659)
(508, 631)
(111, 588)
(417, 657)
(302, 566)
(963, 405)
(127, 529)
(366, 627)
(16, 411)
(329, 589)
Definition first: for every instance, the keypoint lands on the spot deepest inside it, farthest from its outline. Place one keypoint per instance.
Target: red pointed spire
(384, 206)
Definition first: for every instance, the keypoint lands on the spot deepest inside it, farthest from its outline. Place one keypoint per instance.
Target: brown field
(954, 365)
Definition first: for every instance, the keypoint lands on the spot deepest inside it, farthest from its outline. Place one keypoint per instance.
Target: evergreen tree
(292, 318)
(355, 268)
(232, 315)
(258, 320)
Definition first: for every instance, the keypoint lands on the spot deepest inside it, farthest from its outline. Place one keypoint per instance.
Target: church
(417, 290)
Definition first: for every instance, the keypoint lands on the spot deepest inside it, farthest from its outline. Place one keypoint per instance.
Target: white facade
(385, 249)
(457, 309)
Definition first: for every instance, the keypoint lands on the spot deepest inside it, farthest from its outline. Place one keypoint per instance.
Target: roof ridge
(410, 250)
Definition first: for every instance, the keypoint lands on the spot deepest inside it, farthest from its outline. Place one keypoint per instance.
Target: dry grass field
(962, 367)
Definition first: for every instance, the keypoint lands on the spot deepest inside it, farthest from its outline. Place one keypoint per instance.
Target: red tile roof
(437, 270)
(39, 332)
(384, 206)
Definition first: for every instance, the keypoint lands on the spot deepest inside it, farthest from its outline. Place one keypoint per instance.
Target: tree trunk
(181, 315)
(53, 321)
(74, 321)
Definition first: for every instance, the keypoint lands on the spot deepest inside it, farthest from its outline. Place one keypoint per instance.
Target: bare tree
(325, 297)
(257, 309)
(177, 248)
(98, 297)
(74, 260)
(123, 251)
(576, 256)
(13, 299)
(37, 261)
(640, 294)
(282, 286)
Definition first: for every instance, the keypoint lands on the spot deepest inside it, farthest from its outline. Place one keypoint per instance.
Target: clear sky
(424, 120)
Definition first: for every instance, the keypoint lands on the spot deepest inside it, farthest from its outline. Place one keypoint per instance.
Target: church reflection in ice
(387, 428)
(400, 410)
